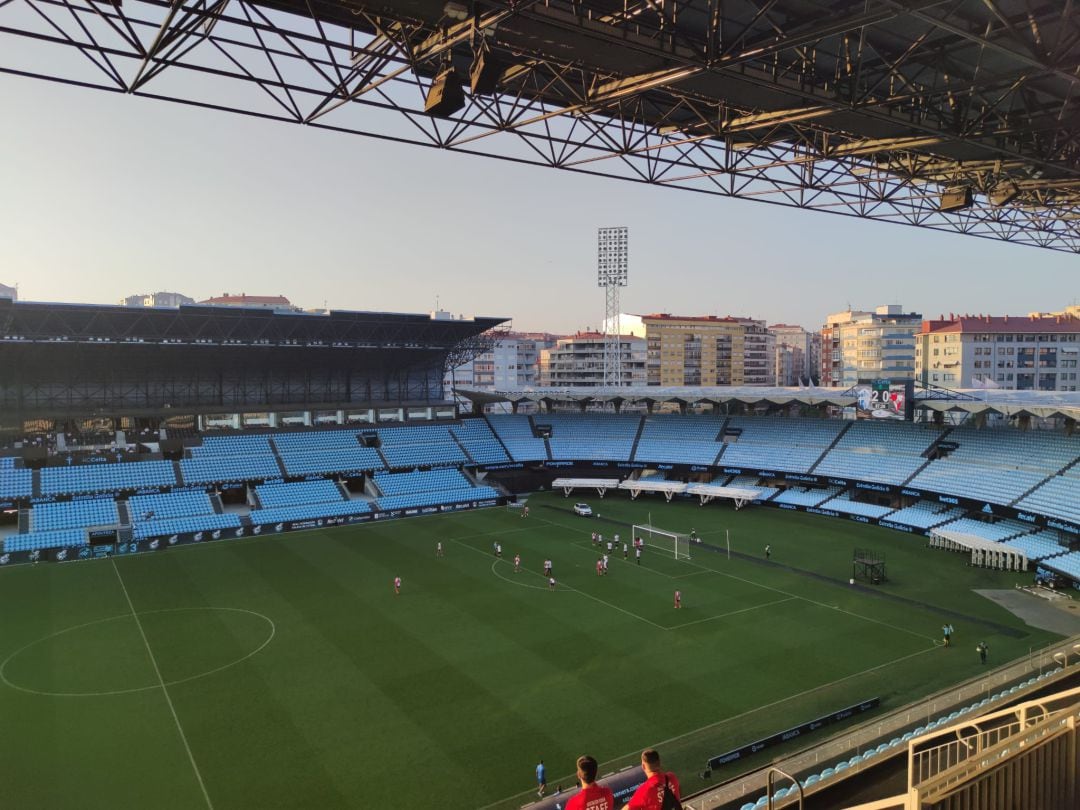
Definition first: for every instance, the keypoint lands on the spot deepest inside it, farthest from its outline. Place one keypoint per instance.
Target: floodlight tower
(612, 264)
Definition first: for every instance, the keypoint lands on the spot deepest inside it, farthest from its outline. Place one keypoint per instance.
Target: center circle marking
(207, 673)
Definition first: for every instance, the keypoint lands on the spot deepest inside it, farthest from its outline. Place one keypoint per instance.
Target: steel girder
(868, 108)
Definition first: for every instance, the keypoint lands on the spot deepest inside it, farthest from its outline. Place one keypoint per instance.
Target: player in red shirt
(599, 568)
(678, 599)
(517, 563)
(650, 796)
(592, 796)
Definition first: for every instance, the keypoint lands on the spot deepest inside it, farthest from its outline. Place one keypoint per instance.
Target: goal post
(673, 543)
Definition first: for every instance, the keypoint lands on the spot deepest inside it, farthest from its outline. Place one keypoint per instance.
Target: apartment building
(1025, 353)
(862, 345)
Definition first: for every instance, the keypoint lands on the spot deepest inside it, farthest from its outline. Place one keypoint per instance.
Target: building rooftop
(249, 300)
(667, 316)
(993, 324)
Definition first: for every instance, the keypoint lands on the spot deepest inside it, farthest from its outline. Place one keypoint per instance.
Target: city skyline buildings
(254, 192)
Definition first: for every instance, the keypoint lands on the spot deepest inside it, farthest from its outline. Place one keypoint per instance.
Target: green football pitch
(283, 672)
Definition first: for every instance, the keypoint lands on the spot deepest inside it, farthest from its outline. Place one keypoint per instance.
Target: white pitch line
(788, 593)
(734, 613)
(575, 590)
(164, 688)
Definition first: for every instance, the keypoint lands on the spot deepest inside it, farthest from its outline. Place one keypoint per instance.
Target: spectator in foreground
(651, 795)
(592, 795)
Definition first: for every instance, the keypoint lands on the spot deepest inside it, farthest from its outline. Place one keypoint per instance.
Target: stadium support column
(612, 259)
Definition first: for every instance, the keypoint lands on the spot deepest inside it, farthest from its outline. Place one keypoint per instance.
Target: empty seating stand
(479, 442)
(420, 481)
(420, 446)
(1059, 497)
(39, 541)
(74, 514)
(89, 478)
(679, 439)
(16, 483)
(844, 504)
(427, 488)
(925, 515)
(590, 437)
(790, 445)
(887, 452)
(298, 494)
(516, 433)
(219, 469)
(169, 505)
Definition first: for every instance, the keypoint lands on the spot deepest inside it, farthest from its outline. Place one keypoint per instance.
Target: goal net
(673, 543)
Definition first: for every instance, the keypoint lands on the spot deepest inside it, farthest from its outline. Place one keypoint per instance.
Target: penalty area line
(572, 589)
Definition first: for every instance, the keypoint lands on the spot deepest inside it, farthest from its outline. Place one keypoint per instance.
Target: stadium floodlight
(446, 95)
(612, 272)
(956, 198)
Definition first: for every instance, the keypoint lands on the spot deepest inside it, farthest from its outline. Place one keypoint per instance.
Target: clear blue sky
(103, 196)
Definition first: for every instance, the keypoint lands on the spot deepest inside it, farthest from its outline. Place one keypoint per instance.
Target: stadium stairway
(254, 501)
(36, 479)
(498, 438)
(1051, 477)
(179, 475)
(831, 447)
(124, 513)
(371, 489)
(219, 507)
(719, 455)
(383, 458)
(637, 438)
(279, 460)
(927, 453)
(344, 490)
(24, 521)
(457, 441)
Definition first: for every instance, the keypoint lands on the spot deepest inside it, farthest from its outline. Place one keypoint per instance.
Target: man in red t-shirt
(592, 796)
(650, 796)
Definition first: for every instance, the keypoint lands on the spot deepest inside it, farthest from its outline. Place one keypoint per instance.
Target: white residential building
(578, 361)
(158, 299)
(1026, 353)
(859, 346)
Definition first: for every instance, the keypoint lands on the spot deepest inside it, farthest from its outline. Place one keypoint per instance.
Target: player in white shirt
(498, 549)
(438, 549)
(625, 551)
(605, 563)
(397, 585)
(517, 563)
(551, 583)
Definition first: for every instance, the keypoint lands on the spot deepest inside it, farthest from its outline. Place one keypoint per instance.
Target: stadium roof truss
(868, 108)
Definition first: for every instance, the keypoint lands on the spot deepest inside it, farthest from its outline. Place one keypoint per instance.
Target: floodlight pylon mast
(612, 266)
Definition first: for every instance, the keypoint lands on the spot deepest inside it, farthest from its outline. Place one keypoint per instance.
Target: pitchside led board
(885, 399)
